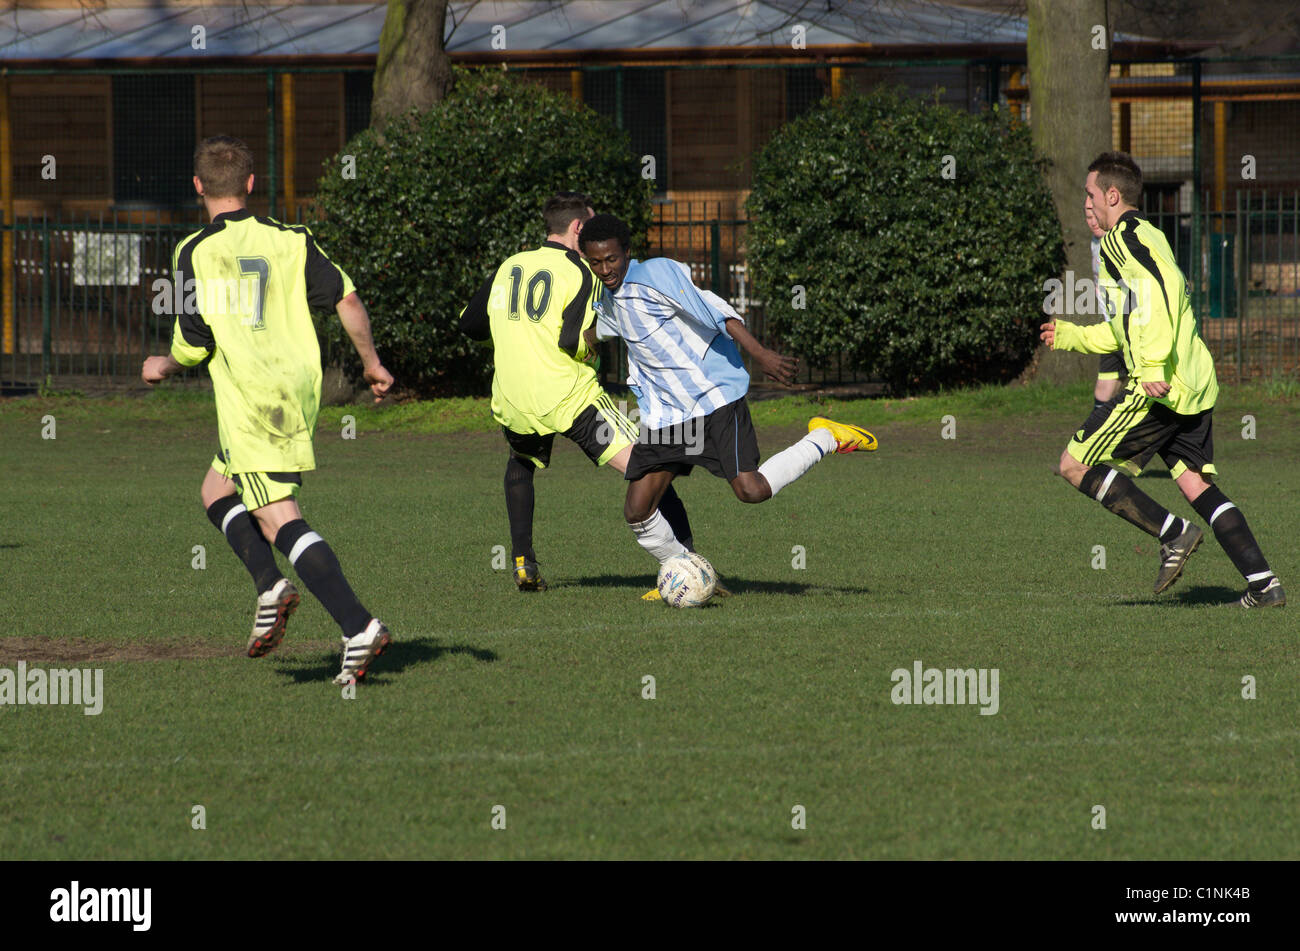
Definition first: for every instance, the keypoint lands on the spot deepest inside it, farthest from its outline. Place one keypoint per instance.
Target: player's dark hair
(604, 227)
(223, 165)
(562, 208)
(1118, 170)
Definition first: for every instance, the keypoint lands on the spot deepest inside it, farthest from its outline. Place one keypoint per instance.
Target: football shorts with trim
(1111, 366)
(724, 442)
(257, 489)
(600, 431)
(1129, 429)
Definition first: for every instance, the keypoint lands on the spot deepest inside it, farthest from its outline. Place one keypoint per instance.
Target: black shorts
(597, 430)
(724, 442)
(1111, 367)
(1128, 430)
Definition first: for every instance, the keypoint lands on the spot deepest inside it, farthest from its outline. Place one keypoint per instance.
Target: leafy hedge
(443, 197)
(921, 279)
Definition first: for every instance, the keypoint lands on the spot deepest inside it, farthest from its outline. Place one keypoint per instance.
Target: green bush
(923, 280)
(443, 197)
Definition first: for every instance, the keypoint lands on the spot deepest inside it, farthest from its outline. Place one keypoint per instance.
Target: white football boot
(360, 649)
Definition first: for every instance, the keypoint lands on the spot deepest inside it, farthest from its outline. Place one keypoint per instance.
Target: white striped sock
(302, 544)
(1101, 493)
(230, 515)
(1220, 510)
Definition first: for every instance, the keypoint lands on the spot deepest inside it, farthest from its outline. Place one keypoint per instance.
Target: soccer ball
(686, 581)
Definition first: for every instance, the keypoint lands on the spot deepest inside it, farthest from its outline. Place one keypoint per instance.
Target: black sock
(319, 570)
(674, 510)
(1234, 536)
(1118, 494)
(519, 506)
(231, 518)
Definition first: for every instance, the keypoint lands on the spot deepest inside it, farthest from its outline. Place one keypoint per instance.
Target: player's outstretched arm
(778, 367)
(355, 320)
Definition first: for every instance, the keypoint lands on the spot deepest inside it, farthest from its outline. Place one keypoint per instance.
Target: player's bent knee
(636, 512)
(753, 489)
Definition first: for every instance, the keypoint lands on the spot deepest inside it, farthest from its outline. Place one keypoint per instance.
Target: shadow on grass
(1203, 594)
(735, 585)
(396, 658)
(1154, 474)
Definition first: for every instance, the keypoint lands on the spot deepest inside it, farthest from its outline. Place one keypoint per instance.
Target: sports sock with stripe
(519, 506)
(319, 570)
(1117, 493)
(789, 464)
(673, 509)
(655, 535)
(1234, 535)
(231, 518)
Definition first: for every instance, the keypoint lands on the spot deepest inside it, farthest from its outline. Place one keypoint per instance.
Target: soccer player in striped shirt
(535, 308)
(1168, 404)
(249, 284)
(685, 368)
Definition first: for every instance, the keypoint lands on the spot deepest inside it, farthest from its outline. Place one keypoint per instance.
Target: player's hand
(1155, 390)
(380, 381)
(154, 370)
(1048, 335)
(777, 367)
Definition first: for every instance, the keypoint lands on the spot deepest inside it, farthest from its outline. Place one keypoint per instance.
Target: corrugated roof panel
(306, 29)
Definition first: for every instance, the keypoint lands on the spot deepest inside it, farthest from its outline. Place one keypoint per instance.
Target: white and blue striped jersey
(681, 361)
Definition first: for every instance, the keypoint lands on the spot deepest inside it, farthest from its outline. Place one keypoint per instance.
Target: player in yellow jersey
(246, 285)
(1168, 404)
(535, 308)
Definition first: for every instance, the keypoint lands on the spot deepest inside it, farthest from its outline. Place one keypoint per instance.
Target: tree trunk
(413, 70)
(1069, 116)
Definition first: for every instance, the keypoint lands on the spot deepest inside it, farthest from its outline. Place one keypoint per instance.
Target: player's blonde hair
(223, 164)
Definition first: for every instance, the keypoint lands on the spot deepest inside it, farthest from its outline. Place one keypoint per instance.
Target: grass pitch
(958, 553)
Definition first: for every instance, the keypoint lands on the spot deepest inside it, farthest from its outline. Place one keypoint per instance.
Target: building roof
(339, 29)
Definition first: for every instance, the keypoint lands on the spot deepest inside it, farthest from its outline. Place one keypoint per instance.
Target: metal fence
(1218, 140)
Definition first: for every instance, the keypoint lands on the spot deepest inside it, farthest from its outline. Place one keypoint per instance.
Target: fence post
(45, 298)
(270, 141)
(715, 256)
(1198, 268)
(618, 96)
(7, 201)
(289, 109)
(1239, 264)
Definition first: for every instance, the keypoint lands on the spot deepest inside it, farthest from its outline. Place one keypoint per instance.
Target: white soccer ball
(686, 581)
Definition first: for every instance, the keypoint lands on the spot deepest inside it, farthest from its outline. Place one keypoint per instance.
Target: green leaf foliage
(924, 280)
(442, 197)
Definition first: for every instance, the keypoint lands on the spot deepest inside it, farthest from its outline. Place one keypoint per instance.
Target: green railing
(86, 303)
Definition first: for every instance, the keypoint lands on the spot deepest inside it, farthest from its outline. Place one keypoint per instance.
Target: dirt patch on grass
(61, 650)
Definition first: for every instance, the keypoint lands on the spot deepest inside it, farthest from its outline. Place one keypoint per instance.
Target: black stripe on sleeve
(324, 279)
(194, 329)
(576, 311)
(474, 320)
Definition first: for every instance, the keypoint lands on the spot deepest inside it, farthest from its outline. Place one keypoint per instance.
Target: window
(644, 102)
(153, 139)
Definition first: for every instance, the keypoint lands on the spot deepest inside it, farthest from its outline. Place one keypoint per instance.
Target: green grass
(960, 553)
